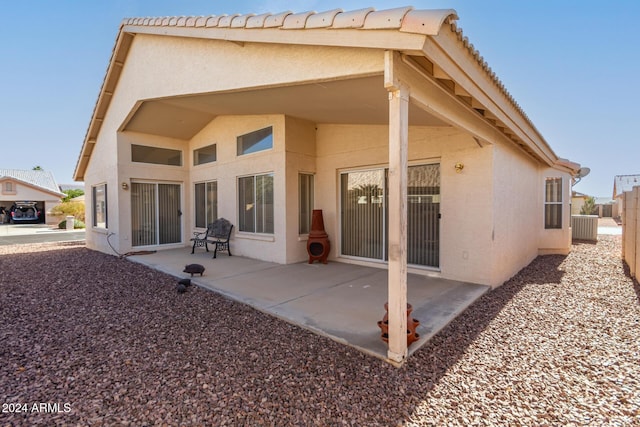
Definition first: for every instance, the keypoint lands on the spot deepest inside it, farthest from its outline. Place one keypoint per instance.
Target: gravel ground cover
(91, 339)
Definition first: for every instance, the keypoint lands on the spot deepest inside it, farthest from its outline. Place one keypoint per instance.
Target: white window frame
(306, 195)
(210, 209)
(197, 154)
(155, 155)
(258, 225)
(553, 199)
(99, 206)
(243, 150)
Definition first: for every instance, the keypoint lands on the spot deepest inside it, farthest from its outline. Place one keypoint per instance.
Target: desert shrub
(70, 208)
(589, 207)
(76, 224)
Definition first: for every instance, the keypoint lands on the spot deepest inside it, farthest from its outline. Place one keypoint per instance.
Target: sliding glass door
(155, 214)
(423, 215)
(364, 213)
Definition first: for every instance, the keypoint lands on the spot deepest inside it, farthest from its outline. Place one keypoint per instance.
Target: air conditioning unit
(584, 227)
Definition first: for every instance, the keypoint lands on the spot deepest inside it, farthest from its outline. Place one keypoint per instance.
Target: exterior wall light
(459, 167)
(125, 186)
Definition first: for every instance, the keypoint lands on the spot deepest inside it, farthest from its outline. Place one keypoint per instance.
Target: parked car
(24, 212)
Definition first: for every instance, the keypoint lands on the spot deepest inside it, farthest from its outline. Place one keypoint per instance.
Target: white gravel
(90, 339)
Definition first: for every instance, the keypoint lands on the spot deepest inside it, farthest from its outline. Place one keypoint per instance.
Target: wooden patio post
(398, 164)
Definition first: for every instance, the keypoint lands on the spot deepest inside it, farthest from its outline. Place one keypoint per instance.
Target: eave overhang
(428, 39)
(109, 83)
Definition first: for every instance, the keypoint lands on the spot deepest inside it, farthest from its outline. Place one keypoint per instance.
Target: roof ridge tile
(322, 19)
(201, 21)
(257, 21)
(241, 20)
(389, 18)
(427, 21)
(213, 20)
(296, 21)
(277, 20)
(352, 19)
(225, 21)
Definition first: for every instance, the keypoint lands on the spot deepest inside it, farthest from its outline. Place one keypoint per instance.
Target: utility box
(584, 227)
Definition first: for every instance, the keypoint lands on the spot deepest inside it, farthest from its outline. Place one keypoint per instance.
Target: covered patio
(344, 95)
(341, 301)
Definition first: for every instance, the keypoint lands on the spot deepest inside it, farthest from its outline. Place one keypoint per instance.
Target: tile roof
(77, 186)
(403, 19)
(38, 178)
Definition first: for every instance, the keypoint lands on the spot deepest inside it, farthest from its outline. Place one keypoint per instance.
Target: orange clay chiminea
(318, 245)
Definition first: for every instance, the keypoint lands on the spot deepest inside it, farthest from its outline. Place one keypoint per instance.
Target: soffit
(400, 29)
(351, 101)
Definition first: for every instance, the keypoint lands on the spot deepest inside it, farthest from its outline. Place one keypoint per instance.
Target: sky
(573, 66)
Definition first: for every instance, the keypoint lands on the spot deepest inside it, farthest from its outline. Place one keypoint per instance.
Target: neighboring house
(30, 185)
(605, 207)
(622, 183)
(388, 121)
(577, 202)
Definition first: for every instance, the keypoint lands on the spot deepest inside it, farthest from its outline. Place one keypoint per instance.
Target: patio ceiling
(361, 100)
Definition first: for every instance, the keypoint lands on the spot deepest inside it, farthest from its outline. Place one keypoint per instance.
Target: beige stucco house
(577, 202)
(37, 186)
(388, 121)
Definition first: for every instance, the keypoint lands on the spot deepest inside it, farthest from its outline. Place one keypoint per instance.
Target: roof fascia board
(373, 39)
(568, 166)
(432, 97)
(116, 64)
(455, 59)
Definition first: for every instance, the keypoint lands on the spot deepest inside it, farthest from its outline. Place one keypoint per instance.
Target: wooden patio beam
(398, 177)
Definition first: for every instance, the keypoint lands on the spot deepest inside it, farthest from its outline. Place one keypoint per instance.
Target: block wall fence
(631, 230)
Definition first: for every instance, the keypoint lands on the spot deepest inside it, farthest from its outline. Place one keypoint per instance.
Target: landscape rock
(558, 344)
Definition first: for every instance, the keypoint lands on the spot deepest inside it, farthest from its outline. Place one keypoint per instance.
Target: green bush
(70, 208)
(70, 194)
(589, 207)
(76, 224)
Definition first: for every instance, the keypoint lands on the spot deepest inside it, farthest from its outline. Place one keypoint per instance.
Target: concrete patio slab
(341, 301)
